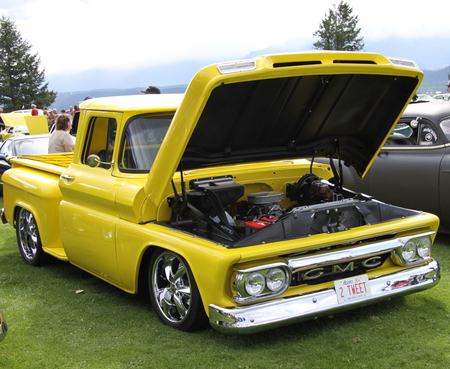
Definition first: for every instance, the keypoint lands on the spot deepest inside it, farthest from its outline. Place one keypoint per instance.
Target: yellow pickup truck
(214, 199)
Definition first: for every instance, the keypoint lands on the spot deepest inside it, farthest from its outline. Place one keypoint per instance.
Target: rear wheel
(174, 293)
(28, 238)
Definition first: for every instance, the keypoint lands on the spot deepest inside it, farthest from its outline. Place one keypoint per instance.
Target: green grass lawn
(53, 326)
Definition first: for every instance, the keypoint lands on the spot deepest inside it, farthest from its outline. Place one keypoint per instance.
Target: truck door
(88, 215)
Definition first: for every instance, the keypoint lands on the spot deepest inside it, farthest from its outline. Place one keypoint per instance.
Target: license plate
(352, 289)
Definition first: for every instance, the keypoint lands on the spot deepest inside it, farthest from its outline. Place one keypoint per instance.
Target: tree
(21, 81)
(338, 30)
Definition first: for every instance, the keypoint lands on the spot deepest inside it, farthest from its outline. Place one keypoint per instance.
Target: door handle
(65, 176)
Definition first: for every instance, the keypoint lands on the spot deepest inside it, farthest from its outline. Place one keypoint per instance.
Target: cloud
(81, 34)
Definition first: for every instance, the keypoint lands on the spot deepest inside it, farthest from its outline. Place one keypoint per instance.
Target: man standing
(34, 111)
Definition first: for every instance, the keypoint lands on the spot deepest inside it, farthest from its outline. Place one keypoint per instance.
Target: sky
(82, 34)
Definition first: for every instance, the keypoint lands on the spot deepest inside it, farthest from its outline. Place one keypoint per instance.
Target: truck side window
(101, 138)
(142, 140)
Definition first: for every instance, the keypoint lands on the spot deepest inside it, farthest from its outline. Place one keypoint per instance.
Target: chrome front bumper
(3, 328)
(284, 311)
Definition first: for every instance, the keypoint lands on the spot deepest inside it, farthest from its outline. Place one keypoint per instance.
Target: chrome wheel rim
(28, 234)
(171, 287)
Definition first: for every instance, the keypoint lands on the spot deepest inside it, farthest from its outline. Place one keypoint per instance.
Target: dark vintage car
(413, 168)
(21, 145)
(3, 327)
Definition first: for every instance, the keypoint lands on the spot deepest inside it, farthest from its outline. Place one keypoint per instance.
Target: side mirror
(94, 161)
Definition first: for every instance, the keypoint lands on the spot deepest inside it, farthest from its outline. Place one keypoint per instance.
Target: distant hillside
(434, 81)
(66, 99)
(429, 54)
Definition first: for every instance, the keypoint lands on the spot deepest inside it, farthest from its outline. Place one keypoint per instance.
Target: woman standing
(60, 139)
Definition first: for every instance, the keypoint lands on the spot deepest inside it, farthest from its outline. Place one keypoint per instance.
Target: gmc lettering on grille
(337, 271)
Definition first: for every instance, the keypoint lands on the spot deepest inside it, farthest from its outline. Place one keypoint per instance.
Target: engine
(217, 208)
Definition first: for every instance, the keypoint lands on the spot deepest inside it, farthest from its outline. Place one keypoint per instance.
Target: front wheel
(28, 238)
(174, 293)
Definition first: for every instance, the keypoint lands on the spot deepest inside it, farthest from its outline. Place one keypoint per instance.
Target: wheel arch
(210, 270)
(47, 222)
(142, 281)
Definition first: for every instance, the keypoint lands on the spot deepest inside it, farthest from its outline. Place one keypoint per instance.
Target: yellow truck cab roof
(135, 103)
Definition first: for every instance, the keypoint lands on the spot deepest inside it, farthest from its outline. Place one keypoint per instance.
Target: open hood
(323, 104)
(13, 119)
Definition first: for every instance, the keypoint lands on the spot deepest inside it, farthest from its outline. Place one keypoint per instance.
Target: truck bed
(53, 163)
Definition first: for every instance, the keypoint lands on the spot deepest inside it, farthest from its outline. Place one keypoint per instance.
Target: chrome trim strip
(342, 256)
(289, 310)
(261, 267)
(413, 147)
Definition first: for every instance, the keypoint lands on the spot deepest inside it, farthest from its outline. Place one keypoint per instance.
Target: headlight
(409, 250)
(276, 279)
(254, 283)
(424, 247)
(414, 250)
(262, 282)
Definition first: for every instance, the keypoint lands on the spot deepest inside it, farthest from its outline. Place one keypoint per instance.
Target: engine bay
(218, 209)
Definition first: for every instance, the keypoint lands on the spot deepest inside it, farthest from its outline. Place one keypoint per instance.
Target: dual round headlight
(273, 280)
(417, 247)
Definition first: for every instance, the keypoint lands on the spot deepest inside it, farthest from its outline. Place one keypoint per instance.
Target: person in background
(34, 111)
(448, 86)
(151, 90)
(51, 117)
(76, 109)
(61, 140)
(71, 111)
(45, 111)
(1, 110)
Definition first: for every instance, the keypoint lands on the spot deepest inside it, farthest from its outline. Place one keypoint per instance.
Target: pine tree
(21, 81)
(338, 30)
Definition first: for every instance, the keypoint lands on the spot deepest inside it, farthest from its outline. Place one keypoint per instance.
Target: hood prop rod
(338, 179)
(179, 204)
(312, 162)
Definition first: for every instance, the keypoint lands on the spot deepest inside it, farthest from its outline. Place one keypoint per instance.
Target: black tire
(174, 293)
(28, 238)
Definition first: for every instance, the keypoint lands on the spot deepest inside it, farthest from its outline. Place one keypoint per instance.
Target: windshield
(143, 138)
(20, 129)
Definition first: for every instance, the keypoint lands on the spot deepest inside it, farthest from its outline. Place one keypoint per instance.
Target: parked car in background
(413, 168)
(3, 327)
(21, 145)
(445, 97)
(28, 111)
(423, 97)
(14, 124)
(10, 123)
(13, 132)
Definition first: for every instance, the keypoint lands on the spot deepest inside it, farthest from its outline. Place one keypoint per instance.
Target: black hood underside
(344, 116)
